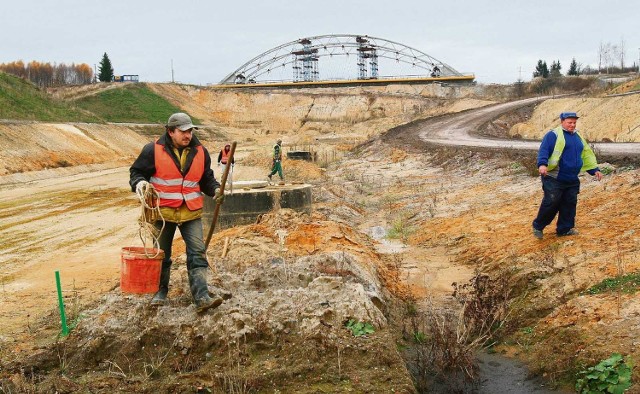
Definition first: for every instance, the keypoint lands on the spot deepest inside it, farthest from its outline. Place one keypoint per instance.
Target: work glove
(141, 186)
(218, 197)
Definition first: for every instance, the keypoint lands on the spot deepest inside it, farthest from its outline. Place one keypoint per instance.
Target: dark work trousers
(193, 238)
(559, 198)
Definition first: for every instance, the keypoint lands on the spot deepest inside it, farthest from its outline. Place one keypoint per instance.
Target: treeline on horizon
(47, 75)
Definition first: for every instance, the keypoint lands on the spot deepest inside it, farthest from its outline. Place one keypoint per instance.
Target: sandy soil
(75, 224)
(458, 129)
(444, 212)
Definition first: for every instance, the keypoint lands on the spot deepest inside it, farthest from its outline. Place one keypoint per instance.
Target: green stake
(63, 318)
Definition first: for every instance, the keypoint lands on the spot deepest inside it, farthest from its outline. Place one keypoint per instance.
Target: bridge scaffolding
(329, 58)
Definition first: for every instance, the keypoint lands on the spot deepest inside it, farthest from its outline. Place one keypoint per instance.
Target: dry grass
(444, 341)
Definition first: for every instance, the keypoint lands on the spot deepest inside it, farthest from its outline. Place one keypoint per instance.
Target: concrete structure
(247, 203)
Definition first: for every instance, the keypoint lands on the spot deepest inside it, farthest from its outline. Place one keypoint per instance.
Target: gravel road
(457, 130)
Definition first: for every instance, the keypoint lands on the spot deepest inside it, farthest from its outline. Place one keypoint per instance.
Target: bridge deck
(348, 82)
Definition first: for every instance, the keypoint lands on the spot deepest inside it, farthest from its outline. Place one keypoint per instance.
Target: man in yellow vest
(563, 154)
(179, 168)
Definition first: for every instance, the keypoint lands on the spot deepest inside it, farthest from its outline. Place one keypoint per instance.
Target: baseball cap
(180, 121)
(566, 115)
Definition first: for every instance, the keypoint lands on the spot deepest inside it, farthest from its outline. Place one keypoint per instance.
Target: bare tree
(607, 53)
(622, 54)
(601, 56)
(45, 74)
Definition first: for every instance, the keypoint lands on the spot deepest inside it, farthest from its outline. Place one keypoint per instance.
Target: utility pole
(172, 81)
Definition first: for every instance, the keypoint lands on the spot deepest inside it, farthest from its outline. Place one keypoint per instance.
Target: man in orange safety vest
(178, 167)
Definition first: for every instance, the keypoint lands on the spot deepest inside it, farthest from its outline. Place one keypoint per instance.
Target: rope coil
(150, 214)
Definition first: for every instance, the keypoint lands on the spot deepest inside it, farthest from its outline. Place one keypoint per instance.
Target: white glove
(141, 186)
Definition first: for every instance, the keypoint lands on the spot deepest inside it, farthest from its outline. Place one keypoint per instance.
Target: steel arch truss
(302, 59)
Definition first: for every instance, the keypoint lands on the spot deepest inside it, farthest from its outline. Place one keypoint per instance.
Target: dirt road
(75, 224)
(458, 130)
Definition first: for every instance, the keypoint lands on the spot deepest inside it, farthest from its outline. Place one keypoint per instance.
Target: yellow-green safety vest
(589, 161)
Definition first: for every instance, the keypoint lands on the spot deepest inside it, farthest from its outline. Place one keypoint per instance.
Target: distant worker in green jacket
(277, 159)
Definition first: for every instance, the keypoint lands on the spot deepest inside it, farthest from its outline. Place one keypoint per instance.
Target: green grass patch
(134, 103)
(400, 228)
(22, 100)
(628, 284)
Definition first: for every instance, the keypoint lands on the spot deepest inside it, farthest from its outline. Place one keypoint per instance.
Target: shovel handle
(216, 210)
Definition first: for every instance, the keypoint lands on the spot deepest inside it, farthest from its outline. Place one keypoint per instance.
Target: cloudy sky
(499, 40)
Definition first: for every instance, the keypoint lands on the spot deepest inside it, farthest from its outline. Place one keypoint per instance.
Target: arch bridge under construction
(341, 59)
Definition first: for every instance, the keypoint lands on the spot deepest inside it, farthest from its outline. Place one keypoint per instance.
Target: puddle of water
(503, 375)
(497, 375)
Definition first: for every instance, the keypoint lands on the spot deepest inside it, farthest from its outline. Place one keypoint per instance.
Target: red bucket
(140, 270)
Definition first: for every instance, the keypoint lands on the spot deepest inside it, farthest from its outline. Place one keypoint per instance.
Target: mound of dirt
(283, 321)
(38, 146)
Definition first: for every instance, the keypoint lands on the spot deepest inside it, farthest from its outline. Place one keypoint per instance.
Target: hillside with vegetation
(22, 100)
(131, 103)
(106, 102)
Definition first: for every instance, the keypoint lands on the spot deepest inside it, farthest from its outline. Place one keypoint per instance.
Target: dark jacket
(570, 162)
(144, 166)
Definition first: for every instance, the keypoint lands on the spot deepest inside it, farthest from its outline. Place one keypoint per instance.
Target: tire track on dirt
(458, 130)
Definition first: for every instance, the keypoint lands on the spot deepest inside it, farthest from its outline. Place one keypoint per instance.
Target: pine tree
(541, 70)
(105, 73)
(555, 69)
(573, 68)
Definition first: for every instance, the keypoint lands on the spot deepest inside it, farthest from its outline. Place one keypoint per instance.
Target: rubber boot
(200, 291)
(160, 298)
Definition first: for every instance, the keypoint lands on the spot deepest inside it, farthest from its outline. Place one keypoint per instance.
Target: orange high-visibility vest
(171, 186)
(225, 156)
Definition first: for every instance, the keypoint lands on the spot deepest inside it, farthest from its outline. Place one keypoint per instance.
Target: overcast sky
(499, 40)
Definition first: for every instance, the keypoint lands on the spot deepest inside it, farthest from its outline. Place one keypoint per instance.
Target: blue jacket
(570, 160)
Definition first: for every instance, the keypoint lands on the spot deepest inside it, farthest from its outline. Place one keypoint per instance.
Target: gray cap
(180, 121)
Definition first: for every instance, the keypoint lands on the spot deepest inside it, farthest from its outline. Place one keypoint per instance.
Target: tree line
(542, 70)
(48, 75)
(611, 60)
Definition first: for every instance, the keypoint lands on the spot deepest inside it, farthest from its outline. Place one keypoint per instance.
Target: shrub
(612, 375)
(359, 329)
